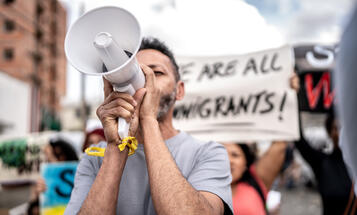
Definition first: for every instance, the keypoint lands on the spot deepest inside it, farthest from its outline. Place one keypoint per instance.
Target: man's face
(165, 77)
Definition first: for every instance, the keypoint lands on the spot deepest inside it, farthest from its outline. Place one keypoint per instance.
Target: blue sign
(59, 178)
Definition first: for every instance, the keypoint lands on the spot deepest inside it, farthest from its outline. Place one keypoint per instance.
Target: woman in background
(93, 137)
(56, 151)
(251, 178)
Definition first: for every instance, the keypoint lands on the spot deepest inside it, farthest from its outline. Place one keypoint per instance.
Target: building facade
(32, 35)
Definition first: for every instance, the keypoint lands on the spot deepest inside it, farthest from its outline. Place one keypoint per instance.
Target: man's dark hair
(156, 44)
(63, 150)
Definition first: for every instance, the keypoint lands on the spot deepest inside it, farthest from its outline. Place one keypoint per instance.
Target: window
(38, 35)
(8, 2)
(39, 10)
(9, 25)
(8, 54)
(37, 57)
(54, 6)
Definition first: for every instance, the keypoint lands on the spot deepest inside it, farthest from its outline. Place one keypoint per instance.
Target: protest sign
(59, 178)
(316, 94)
(239, 98)
(314, 64)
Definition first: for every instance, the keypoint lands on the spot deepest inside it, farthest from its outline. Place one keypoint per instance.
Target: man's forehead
(152, 56)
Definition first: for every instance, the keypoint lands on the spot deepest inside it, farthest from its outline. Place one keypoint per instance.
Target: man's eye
(158, 73)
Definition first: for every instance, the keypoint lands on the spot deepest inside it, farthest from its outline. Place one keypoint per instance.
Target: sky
(220, 27)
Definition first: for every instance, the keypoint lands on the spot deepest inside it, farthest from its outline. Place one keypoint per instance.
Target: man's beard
(166, 102)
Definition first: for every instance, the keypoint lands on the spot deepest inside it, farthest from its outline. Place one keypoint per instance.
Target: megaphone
(104, 42)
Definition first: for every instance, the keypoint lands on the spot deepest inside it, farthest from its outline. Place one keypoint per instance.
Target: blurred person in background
(252, 178)
(93, 137)
(58, 150)
(333, 181)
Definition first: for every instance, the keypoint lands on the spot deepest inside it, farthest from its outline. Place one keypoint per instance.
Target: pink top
(247, 200)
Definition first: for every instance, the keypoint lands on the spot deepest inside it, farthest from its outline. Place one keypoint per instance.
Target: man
(170, 173)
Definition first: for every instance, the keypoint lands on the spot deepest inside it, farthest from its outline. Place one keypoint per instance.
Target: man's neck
(166, 128)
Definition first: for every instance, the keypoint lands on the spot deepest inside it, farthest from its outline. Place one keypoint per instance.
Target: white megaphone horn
(104, 42)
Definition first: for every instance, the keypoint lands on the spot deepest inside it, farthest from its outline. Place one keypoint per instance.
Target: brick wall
(32, 34)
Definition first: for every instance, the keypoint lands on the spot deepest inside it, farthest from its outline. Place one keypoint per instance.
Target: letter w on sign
(313, 93)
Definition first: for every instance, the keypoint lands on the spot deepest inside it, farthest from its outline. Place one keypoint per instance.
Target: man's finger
(149, 75)
(119, 112)
(120, 103)
(115, 95)
(108, 88)
(139, 96)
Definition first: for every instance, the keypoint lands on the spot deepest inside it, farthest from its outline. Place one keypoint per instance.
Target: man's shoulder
(197, 146)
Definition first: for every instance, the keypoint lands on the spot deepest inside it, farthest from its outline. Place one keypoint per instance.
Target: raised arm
(170, 191)
(103, 195)
(311, 155)
(269, 165)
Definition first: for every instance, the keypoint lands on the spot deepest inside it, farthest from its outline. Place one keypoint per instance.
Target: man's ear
(180, 90)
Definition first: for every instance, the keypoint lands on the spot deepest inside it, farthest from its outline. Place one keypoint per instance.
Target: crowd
(174, 173)
(183, 174)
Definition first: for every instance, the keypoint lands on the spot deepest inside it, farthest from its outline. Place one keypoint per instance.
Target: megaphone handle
(123, 128)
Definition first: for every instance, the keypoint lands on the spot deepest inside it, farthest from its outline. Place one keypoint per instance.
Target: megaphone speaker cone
(122, 27)
(109, 38)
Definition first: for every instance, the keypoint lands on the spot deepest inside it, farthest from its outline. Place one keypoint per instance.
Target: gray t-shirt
(205, 166)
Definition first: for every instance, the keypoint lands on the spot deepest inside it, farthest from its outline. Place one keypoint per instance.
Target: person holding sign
(170, 172)
(58, 150)
(333, 181)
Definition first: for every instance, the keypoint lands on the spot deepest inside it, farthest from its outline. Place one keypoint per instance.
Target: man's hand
(102, 197)
(151, 102)
(116, 105)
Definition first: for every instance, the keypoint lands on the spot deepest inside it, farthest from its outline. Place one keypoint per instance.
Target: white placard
(239, 98)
